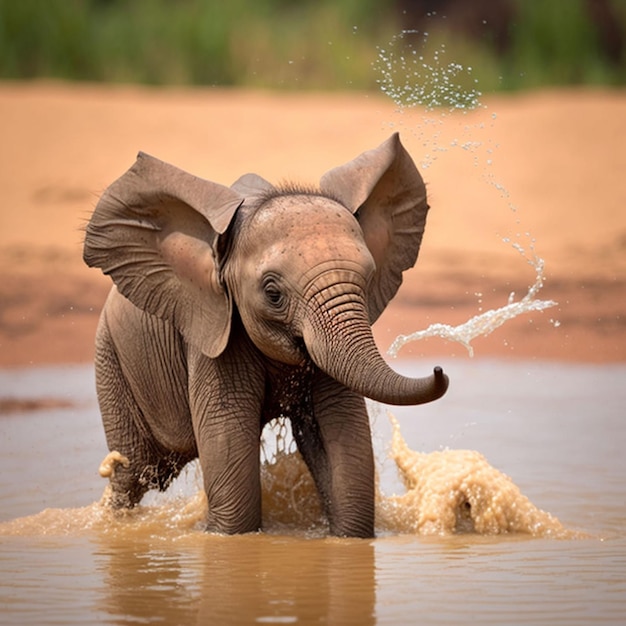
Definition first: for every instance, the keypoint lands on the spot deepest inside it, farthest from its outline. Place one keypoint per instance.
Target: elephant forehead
(303, 215)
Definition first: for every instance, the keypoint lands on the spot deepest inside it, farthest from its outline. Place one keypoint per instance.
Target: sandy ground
(546, 169)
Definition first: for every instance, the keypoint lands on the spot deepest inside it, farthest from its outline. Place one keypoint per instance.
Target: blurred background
(310, 44)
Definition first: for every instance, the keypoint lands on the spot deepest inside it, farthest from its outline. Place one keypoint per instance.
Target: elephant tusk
(107, 467)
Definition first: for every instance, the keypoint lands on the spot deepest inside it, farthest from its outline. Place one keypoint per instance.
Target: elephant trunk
(351, 357)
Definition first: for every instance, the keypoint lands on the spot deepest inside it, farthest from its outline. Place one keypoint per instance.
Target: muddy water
(543, 439)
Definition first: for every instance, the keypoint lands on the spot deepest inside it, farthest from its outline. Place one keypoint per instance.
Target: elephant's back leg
(149, 464)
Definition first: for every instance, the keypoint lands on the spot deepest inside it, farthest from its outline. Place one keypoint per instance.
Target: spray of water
(485, 323)
(414, 74)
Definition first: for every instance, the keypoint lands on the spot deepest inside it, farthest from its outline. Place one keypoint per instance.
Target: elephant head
(306, 270)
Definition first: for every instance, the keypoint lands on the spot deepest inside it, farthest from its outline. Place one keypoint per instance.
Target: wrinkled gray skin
(233, 306)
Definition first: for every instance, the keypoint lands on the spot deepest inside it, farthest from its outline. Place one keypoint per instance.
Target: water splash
(413, 74)
(458, 491)
(485, 323)
(447, 492)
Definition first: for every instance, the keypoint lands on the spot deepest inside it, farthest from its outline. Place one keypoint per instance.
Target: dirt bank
(544, 167)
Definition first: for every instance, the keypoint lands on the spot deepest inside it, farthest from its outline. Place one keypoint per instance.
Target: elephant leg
(226, 397)
(336, 445)
(149, 465)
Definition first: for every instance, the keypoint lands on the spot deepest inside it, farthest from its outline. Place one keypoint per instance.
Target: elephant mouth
(292, 355)
(301, 349)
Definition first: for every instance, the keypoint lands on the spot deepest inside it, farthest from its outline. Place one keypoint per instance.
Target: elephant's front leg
(336, 444)
(226, 396)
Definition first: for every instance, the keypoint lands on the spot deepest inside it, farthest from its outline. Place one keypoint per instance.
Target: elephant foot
(118, 504)
(110, 461)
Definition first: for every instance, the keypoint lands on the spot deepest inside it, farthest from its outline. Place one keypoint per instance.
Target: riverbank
(539, 169)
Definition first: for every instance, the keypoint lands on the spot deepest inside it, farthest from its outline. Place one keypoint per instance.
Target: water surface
(557, 430)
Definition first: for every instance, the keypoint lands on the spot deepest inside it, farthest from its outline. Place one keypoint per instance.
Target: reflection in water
(318, 581)
(156, 564)
(212, 579)
(139, 574)
(86, 565)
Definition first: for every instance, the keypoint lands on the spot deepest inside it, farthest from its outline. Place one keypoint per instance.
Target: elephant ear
(250, 185)
(387, 195)
(154, 231)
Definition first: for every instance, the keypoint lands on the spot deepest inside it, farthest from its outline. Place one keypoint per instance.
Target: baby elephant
(236, 305)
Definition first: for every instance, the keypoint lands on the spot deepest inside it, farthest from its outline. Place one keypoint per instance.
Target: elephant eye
(272, 293)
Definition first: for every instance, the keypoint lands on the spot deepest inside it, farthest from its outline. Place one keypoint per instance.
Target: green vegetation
(555, 42)
(309, 44)
(270, 43)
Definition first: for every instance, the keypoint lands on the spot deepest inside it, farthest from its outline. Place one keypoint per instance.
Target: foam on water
(170, 517)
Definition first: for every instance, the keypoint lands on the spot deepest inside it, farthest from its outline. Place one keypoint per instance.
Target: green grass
(309, 44)
(269, 43)
(555, 43)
